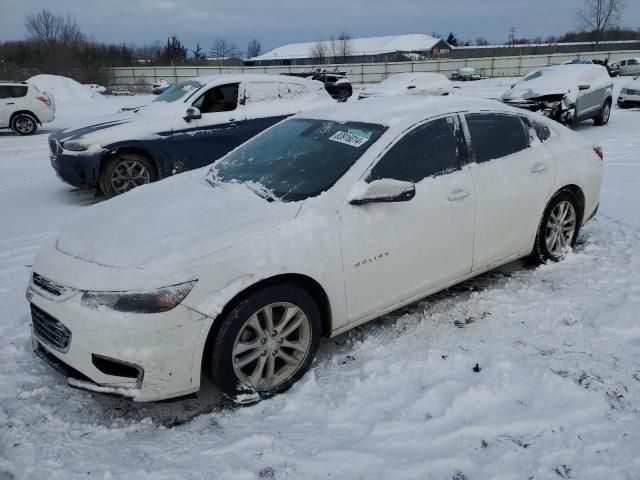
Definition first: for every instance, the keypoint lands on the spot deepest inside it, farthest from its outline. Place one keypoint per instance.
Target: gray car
(565, 93)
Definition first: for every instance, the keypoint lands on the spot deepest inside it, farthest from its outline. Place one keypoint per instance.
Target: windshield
(298, 158)
(178, 91)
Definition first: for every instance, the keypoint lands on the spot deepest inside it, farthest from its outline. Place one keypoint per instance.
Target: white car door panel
(395, 251)
(513, 182)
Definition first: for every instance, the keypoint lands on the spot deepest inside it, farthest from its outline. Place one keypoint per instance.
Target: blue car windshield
(298, 158)
(178, 91)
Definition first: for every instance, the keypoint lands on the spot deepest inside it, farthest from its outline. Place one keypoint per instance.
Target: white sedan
(418, 83)
(630, 94)
(323, 222)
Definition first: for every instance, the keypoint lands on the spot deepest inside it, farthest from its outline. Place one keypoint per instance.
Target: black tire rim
(129, 173)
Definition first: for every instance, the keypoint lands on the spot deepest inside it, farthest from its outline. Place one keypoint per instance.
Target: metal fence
(363, 73)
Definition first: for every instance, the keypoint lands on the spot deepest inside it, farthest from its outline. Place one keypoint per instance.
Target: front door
(393, 252)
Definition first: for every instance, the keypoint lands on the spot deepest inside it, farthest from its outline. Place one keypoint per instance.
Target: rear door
(6, 106)
(513, 173)
(264, 107)
(589, 101)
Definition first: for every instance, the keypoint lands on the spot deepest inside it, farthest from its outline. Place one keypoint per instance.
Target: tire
(125, 171)
(24, 124)
(343, 96)
(563, 206)
(271, 364)
(604, 115)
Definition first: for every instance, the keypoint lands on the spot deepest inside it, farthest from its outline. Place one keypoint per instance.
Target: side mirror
(584, 86)
(384, 190)
(192, 113)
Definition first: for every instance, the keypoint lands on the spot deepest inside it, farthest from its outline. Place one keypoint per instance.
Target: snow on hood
(170, 222)
(545, 81)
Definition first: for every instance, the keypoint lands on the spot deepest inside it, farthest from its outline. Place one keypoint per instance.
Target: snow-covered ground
(557, 394)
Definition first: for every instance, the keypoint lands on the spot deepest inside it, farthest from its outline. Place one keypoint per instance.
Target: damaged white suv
(566, 93)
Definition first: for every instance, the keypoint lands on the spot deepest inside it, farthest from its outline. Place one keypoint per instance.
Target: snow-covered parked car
(419, 83)
(159, 87)
(630, 94)
(189, 126)
(466, 74)
(23, 107)
(94, 87)
(323, 222)
(566, 93)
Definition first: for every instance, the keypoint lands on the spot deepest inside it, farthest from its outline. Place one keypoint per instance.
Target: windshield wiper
(261, 191)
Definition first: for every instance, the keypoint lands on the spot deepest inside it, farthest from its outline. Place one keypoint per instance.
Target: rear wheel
(604, 115)
(266, 342)
(558, 229)
(124, 172)
(343, 95)
(24, 124)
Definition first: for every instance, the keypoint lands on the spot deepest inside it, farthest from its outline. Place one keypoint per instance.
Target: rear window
(13, 91)
(496, 135)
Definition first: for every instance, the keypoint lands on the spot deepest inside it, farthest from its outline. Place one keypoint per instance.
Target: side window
(495, 135)
(262, 92)
(4, 92)
(623, 63)
(427, 151)
(223, 98)
(293, 90)
(633, 61)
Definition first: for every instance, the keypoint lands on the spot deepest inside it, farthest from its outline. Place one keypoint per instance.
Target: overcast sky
(278, 22)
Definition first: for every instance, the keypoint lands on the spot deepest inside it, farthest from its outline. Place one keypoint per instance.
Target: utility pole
(512, 37)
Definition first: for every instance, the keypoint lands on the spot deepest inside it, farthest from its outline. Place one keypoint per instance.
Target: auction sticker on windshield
(348, 139)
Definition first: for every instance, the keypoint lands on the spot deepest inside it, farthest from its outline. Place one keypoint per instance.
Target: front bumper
(81, 169)
(628, 100)
(160, 353)
(558, 112)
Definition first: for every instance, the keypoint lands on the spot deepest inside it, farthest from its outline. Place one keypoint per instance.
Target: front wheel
(124, 172)
(266, 342)
(604, 115)
(24, 124)
(558, 229)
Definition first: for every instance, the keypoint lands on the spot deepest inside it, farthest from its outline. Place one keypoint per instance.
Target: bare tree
(254, 48)
(223, 50)
(597, 15)
(52, 29)
(319, 52)
(482, 42)
(199, 56)
(344, 48)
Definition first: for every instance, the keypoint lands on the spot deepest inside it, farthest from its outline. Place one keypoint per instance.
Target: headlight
(161, 300)
(75, 146)
(624, 90)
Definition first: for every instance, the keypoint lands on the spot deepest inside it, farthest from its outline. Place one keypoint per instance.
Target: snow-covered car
(94, 87)
(159, 87)
(190, 125)
(323, 222)
(23, 107)
(466, 74)
(630, 66)
(566, 93)
(420, 83)
(630, 94)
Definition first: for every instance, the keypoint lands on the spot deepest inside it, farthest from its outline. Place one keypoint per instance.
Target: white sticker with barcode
(348, 139)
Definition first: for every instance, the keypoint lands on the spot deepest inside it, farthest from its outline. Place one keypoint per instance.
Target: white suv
(23, 107)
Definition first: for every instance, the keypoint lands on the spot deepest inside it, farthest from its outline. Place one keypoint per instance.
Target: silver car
(566, 93)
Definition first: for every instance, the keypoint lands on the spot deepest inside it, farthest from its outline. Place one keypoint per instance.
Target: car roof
(251, 77)
(404, 110)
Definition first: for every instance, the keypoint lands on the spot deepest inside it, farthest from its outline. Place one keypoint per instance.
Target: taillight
(599, 152)
(43, 99)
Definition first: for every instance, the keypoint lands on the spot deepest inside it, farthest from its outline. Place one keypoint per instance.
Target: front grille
(50, 330)
(632, 92)
(48, 285)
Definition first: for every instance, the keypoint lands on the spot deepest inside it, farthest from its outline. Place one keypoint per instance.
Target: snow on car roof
(252, 77)
(398, 110)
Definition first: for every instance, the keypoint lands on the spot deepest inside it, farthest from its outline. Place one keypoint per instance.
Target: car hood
(114, 127)
(532, 92)
(171, 222)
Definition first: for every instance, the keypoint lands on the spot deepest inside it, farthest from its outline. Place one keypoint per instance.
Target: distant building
(394, 48)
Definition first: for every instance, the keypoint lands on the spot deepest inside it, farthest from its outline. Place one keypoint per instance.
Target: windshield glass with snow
(179, 91)
(298, 158)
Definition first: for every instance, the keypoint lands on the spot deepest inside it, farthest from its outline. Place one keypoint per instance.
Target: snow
(556, 394)
(65, 90)
(357, 46)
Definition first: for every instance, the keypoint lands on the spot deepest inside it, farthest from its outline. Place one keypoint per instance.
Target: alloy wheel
(560, 229)
(129, 174)
(271, 346)
(24, 125)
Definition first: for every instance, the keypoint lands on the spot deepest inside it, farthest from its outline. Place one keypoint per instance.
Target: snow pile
(65, 90)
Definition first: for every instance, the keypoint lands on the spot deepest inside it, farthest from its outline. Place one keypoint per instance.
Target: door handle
(10, 103)
(538, 167)
(458, 194)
